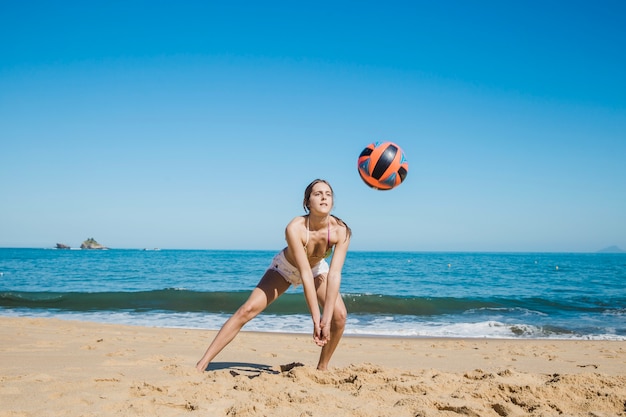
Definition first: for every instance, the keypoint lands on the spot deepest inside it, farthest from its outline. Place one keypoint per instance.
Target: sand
(51, 367)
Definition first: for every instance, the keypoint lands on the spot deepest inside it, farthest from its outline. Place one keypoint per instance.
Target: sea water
(412, 294)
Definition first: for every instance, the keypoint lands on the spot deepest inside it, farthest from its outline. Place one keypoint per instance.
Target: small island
(62, 246)
(91, 243)
(612, 249)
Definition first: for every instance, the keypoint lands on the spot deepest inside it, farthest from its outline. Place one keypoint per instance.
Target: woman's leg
(271, 286)
(337, 326)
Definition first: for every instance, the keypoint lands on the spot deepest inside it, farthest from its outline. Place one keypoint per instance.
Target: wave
(369, 314)
(181, 300)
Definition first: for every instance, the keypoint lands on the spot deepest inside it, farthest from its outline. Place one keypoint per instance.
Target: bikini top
(329, 248)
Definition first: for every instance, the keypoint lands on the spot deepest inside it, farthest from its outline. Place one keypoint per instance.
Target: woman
(310, 240)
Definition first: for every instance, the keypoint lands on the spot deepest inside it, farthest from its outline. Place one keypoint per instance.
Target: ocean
(400, 294)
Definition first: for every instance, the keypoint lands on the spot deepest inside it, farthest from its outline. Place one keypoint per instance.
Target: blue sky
(199, 124)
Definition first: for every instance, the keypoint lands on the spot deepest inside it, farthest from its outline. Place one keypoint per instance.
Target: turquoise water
(516, 295)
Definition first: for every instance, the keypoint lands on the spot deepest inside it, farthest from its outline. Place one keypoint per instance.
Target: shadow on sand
(251, 370)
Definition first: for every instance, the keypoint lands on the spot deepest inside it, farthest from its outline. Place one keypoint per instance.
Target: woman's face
(321, 198)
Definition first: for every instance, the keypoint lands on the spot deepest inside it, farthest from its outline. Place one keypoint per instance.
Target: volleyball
(382, 165)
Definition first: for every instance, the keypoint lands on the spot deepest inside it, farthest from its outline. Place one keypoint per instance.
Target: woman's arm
(296, 249)
(333, 281)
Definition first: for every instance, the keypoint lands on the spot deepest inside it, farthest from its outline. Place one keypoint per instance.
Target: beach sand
(51, 367)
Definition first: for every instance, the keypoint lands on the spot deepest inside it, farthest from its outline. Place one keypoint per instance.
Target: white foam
(385, 326)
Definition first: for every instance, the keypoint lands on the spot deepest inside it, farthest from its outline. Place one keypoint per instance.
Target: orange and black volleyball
(382, 165)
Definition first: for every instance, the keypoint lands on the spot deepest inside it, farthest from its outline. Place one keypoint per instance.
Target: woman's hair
(307, 195)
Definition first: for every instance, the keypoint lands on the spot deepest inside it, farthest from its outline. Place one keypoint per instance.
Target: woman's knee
(246, 312)
(340, 315)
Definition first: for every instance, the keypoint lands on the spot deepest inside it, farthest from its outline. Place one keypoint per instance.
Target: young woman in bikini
(310, 240)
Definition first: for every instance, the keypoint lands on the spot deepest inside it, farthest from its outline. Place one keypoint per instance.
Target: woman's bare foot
(201, 367)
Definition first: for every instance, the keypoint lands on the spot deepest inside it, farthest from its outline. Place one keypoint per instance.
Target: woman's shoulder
(298, 221)
(295, 228)
(342, 225)
(336, 221)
